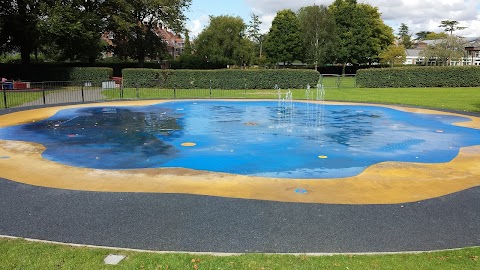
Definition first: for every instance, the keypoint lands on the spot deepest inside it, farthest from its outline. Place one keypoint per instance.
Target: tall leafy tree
(253, 33)
(188, 45)
(451, 26)
(362, 33)
(446, 50)
(253, 28)
(224, 40)
(71, 30)
(134, 24)
(317, 28)
(393, 55)
(404, 36)
(434, 36)
(19, 19)
(422, 35)
(283, 43)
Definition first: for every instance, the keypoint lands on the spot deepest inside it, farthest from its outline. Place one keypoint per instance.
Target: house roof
(168, 35)
(413, 52)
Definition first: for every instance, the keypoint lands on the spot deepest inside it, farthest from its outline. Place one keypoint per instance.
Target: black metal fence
(29, 94)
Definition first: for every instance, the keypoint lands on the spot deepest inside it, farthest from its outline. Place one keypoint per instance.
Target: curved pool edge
(383, 183)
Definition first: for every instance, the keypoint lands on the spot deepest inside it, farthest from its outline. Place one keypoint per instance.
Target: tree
(71, 30)
(224, 40)
(317, 28)
(19, 32)
(253, 33)
(451, 26)
(188, 46)
(445, 50)
(253, 28)
(434, 36)
(134, 24)
(393, 55)
(362, 33)
(404, 36)
(283, 42)
(422, 35)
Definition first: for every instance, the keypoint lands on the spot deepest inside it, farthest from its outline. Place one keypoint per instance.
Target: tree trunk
(25, 54)
(344, 68)
(141, 62)
(140, 56)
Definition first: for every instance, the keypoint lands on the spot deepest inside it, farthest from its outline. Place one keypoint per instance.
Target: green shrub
(448, 76)
(220, 79)
(55, 72)
(92, 74)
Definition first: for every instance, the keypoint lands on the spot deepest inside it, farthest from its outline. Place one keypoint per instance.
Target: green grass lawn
(460, 99)
(21, 254)
(19, 98)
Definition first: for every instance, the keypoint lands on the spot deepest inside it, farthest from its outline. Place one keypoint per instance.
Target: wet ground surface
(176, 222)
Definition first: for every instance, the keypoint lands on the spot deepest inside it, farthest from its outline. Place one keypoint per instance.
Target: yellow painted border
(383, 183)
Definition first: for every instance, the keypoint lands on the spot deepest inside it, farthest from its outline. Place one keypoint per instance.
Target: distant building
(108, 38)
(413, 57)
(175, 43)
(472, 50)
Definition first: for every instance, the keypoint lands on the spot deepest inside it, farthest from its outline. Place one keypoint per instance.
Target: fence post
(5, 98)
(83, 94)
(210, 88)
(121, 90)
(43, 94)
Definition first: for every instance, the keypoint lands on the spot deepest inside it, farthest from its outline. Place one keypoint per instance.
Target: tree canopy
(451, 48)
(283, 43)
(317, 29)
(404, 36)
(224, 40)
(135, 25)
(71, 30)
(434, 36)
(393, 55)
(361, 31)
(422, 35)
(451, 26)
(19, 21)
(253, 33)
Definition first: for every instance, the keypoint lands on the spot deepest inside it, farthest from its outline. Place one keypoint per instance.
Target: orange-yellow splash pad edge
(382, 183)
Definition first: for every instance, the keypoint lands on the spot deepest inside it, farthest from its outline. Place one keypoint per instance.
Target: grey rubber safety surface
(181, 222)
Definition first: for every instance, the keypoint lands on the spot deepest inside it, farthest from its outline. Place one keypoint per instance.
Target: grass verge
(21, 254)
(460, 99)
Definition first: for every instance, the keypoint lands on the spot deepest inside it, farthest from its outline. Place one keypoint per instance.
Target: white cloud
(196, 26)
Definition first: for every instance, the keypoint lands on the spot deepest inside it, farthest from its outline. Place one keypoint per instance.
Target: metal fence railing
(51, 93)
(338, 81)
(46, 93)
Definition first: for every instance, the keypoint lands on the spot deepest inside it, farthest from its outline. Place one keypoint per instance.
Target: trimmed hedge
(404, 77)
(220, 79)
(54, 72)
(92, 74)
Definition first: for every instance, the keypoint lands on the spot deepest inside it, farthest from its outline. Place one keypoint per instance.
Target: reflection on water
(252, 138)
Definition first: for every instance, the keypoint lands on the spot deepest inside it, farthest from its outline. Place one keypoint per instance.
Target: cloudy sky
(418, 15)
